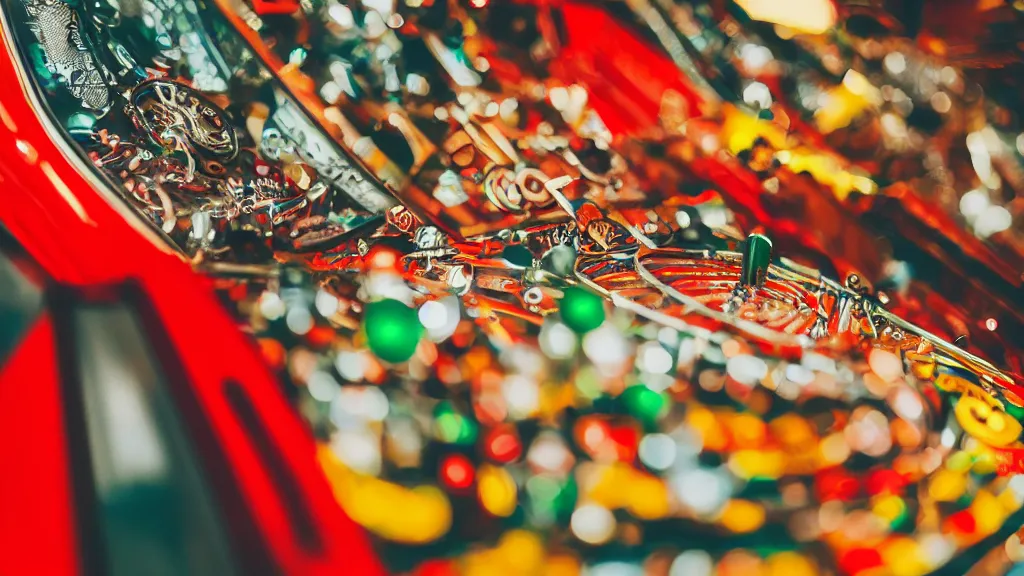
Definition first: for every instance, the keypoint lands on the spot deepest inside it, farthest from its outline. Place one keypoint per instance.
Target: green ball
(565, 502)
(645, 404)
(581, 309)
(392, 330)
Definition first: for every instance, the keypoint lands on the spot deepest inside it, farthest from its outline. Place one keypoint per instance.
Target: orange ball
(382, 259)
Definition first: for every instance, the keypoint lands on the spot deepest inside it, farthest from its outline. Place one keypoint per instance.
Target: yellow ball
(742, 516)
(790, 564)
(648, 498)
(521, 551)
(947, 485)
(497, 491)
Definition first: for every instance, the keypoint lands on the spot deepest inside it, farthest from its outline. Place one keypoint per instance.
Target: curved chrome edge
(299, 98)
(145, 227)
(744, 327)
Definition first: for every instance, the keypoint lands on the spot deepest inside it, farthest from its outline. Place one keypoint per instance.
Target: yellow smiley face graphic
(984, 418)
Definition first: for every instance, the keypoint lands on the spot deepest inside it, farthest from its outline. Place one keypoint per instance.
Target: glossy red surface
(81, 239)
(626, 77)
(37, 525)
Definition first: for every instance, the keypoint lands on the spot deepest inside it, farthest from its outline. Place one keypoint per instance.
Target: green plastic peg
(757, 255)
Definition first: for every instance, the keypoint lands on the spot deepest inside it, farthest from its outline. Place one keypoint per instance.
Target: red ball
(457, 472)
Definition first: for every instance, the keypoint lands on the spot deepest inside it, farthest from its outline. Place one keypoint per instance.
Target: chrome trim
(232, 18)
(147, 228)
